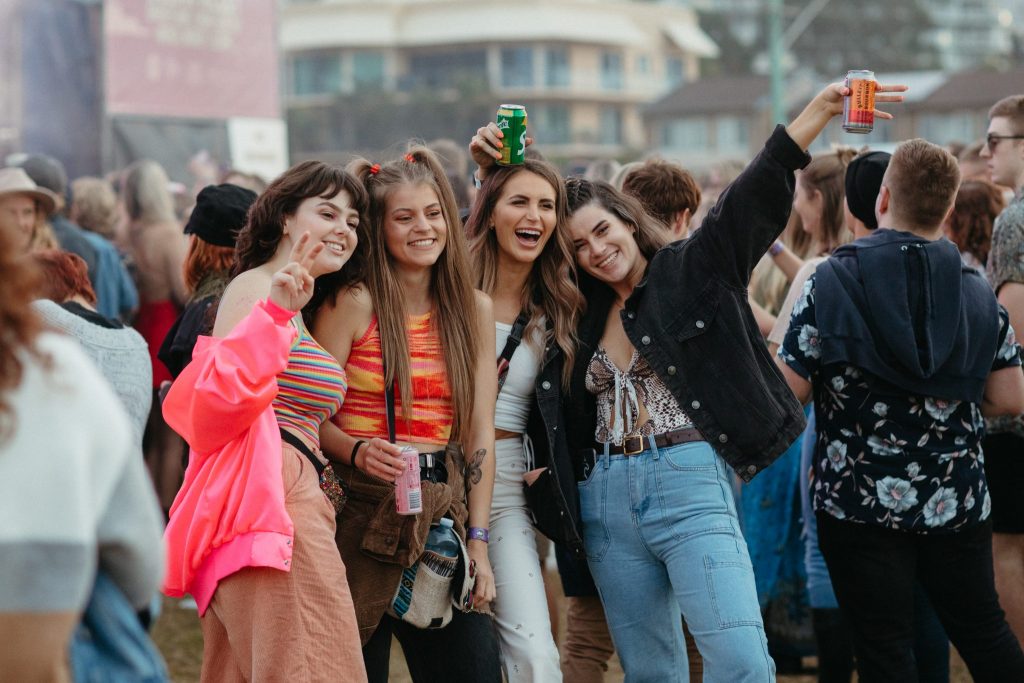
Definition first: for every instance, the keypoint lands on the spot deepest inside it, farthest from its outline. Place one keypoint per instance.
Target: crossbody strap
(515, 337)
(389, 399)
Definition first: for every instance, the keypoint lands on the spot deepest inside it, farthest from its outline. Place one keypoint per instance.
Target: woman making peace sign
(251, 534)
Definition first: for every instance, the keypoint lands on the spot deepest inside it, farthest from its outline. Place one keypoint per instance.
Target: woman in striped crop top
(414, 323)
(268, 614)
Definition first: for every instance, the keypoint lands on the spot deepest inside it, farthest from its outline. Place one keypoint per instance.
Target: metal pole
(775, 55)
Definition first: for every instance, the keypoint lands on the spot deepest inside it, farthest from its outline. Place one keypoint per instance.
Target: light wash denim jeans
(662, 536)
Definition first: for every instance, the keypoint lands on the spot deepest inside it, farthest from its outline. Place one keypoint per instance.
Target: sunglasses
(991, 140)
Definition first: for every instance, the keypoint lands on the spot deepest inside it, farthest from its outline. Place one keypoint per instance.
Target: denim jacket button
(645, 339)
(699, 324)
(631, 315)
(671, 369)
(723, 438)
(695, 405)
(545, 385)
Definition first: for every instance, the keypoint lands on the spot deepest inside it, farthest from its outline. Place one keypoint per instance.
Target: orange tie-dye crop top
(364, 415)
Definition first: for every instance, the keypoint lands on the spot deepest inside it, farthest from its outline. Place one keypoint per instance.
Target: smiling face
(605, 245)
(807, 204)
(331, 220)
(524, 217)
(415, 230)
(18, 215)
(1005, 157)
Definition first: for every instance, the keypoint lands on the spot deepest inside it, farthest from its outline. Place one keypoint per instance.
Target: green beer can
(511, 120)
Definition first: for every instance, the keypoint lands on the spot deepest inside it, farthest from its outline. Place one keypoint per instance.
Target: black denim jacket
(690, 319)
(552, 499)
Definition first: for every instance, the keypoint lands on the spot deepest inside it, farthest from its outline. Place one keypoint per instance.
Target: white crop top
(516, 397)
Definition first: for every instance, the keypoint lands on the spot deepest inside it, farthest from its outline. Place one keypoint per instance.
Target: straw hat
(16, 181)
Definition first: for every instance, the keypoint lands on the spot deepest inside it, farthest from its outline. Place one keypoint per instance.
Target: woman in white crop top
(523, 262)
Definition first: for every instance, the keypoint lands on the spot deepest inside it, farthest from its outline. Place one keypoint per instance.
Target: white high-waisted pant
(521, 608)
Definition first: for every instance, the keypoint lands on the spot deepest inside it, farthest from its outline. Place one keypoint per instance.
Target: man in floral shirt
(1004, 444)
(906, 351)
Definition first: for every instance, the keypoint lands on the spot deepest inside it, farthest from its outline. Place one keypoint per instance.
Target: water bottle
(444, 544)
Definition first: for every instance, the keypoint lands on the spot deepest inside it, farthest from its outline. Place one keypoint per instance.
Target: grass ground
(178, 636)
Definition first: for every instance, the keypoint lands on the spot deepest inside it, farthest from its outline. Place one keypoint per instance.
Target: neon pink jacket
(229, 513)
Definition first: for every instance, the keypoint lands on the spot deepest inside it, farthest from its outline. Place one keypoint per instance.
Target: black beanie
(220, 213)
(863, 181)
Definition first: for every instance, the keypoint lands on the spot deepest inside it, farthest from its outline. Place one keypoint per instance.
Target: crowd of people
(778, 415)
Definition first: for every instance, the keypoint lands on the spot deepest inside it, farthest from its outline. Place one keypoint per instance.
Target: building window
(685, 134)
(674, 73)
(556, 67)
(316, 74)
(643, 65)
(517, 67)
(368, 70)
(732, 134)
(445, 69)
(944, 128)
(552, 124)
(611, 71)
(610, 132)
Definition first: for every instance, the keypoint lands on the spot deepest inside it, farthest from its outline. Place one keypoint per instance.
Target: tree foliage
(881, 35)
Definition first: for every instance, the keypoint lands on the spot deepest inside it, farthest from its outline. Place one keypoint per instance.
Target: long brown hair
(19, 327)
(455, 315)
(827, 174)
(551, 288)
(975, 208)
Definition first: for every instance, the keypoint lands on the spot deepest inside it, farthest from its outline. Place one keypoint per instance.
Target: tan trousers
(588, 644)
(265, 625)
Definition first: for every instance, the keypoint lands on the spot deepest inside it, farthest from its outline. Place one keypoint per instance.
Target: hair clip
(375, 169)
(410, 158)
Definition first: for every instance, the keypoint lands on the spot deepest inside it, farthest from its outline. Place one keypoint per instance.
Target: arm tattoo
(473, 473)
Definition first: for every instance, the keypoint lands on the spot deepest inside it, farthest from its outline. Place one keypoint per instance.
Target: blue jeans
(662, 537)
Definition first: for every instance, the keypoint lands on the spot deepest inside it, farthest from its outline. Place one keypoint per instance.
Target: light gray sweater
(121, 356)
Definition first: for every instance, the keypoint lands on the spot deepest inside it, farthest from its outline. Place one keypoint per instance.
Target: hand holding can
(859, 105)
(408, 493)
(511, 120)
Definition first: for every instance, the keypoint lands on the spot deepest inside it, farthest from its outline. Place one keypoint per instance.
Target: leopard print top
(638, 385)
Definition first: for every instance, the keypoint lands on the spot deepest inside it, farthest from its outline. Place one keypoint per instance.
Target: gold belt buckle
(631, 445)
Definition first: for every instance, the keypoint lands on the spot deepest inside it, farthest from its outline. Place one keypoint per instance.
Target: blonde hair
(551, 287)
(454, 303)
(147, 198)
(94, 206)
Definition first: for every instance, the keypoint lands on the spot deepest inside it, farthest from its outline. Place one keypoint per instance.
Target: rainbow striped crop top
(365, 416)
(311, 388)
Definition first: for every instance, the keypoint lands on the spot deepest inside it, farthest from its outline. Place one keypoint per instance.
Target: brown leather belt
(633, 445)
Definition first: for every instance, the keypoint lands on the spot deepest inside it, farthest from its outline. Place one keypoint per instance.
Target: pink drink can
(408, 496)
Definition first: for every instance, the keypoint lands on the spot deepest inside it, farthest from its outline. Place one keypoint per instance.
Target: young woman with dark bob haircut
(251, 534)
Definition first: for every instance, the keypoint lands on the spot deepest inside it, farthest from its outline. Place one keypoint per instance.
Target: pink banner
(191, 58)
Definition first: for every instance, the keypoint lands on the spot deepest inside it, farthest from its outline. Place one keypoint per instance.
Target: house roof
(455, 22)
(974, 89)
(714, 95)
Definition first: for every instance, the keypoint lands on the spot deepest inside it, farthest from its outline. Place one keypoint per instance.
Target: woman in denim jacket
(670, 362)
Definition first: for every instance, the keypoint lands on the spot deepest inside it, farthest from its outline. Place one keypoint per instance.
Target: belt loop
(606, 456)
(654, 446)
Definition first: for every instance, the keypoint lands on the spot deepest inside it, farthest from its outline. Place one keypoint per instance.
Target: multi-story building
(969, 33)
(357, 72)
